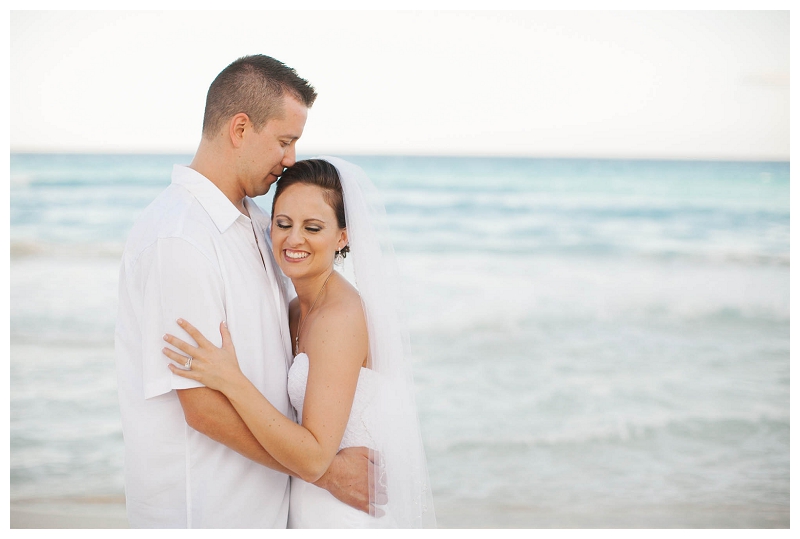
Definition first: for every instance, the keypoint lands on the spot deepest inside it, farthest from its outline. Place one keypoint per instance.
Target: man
(200, 252)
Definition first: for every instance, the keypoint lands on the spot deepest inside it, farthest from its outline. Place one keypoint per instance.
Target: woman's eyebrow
(305, 221)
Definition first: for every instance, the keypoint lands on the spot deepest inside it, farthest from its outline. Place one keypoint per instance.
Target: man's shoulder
(174, 213)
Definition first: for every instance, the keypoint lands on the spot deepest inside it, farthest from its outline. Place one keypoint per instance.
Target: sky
(651, 84)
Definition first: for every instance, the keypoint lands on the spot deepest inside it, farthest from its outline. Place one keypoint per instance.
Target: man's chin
(272, 178)
(264, 188)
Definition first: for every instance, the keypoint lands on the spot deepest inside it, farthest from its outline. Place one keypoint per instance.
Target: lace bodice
(357, 432)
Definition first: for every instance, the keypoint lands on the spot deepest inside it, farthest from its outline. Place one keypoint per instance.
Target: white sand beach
(79, 513)
(109, 513)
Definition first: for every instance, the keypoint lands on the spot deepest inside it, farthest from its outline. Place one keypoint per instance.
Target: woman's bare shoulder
(349, 300)
(341, 324)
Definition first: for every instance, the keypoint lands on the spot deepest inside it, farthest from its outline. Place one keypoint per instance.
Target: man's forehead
(287, 105)
(291, 117)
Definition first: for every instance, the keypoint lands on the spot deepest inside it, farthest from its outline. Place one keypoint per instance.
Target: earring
(338, 259)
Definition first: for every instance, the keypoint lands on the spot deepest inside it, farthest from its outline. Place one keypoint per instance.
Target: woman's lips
(294, 256)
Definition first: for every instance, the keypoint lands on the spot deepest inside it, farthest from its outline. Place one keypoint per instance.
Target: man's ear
(237, 127)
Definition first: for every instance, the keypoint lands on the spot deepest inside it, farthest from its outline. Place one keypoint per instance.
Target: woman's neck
(310, 289)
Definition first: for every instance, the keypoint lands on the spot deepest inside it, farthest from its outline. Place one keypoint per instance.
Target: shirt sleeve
(181, 283)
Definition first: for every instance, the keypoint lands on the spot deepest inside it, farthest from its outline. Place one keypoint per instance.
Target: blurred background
(590, 211)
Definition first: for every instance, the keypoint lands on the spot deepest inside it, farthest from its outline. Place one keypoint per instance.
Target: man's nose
(288, 157)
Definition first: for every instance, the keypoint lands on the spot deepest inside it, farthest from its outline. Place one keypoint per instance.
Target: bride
(350, 382)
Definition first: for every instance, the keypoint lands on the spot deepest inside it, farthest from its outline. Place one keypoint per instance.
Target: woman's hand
(215, 368)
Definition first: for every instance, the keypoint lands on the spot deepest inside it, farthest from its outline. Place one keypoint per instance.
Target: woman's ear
(342, 240)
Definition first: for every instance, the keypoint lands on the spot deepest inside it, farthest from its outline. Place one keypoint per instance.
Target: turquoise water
(596, 342)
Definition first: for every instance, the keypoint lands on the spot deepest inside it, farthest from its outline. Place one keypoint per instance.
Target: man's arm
(182, 282)
(209, 411)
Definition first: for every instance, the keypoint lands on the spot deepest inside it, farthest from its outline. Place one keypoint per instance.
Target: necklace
(302, 320)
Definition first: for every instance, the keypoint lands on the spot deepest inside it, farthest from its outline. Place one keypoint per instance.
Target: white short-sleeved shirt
(193, 255)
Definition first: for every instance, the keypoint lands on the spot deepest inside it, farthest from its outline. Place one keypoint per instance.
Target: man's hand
(349, 476)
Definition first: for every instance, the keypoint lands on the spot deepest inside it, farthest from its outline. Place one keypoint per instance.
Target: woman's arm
(209, 411)
(336, 346)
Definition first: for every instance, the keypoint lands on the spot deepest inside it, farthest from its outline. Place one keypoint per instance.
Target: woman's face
(305, 234)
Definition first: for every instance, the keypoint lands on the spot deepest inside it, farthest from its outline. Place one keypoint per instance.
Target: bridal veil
(403, 474)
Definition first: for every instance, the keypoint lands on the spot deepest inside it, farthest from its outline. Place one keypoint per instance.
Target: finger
(175, 356)
(193, 331)
(381, 498)
(183, 373)
(377, 477)
(376, 511)
(183, 346)
(227, 343)
(375, 458)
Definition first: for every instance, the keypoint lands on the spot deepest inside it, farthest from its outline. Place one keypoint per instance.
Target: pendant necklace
(297, 337)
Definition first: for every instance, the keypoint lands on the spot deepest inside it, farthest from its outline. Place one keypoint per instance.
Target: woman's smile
(292, 255)
(305, 233)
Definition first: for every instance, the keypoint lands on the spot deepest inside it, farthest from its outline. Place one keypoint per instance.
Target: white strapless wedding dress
(311, 506)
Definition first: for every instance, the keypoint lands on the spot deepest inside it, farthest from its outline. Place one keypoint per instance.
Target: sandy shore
(668, 516)
(83, 513)
(109, 513)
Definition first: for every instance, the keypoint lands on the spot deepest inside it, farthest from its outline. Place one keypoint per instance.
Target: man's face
(267, 152)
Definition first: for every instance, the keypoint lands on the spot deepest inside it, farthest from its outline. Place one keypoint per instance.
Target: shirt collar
(219, 208)
(257, 214)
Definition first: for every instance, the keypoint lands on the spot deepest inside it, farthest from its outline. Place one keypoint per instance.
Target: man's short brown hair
(254, 85)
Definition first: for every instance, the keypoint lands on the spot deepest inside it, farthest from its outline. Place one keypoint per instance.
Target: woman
(350, 381)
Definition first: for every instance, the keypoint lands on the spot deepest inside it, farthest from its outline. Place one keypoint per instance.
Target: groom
(200, 252)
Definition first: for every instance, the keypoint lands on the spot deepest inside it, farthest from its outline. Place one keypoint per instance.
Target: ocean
(596, 343)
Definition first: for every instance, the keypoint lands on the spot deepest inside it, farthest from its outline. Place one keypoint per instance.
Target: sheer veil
(404, 473)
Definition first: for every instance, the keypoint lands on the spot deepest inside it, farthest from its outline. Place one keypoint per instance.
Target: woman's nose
(295, 237)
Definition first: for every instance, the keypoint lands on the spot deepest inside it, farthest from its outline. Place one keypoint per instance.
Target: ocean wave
(471, 294)
(44, 249)
(104, 180)
(86, 336)
(696, 428)
(21, 179)
(596, 205)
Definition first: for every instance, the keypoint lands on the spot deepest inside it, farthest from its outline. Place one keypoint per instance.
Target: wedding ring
(188, 364)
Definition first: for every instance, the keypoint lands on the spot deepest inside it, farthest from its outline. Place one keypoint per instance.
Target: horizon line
(587, 156)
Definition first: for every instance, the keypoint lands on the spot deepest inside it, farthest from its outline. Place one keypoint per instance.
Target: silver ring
(188, 364)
